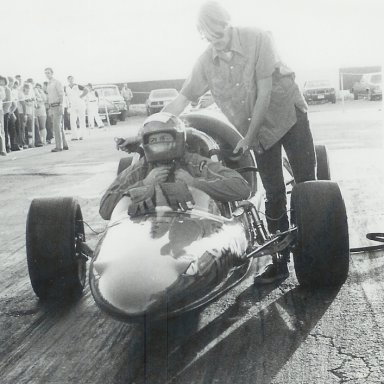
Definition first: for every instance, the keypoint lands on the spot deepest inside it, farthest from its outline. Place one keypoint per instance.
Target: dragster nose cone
(134, 284)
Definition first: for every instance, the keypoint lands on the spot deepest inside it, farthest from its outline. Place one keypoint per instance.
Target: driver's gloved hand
(178, 195)
(142, 200)
(130, 144)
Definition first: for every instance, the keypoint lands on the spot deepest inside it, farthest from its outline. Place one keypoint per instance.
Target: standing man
(3, 149)
(259, 96)
(92, 100)
(48, 124)
(127, 95)
(55, 96)
(13, 137)
(76, 107)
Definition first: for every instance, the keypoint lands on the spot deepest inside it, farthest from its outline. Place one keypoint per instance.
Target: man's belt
(54, 104)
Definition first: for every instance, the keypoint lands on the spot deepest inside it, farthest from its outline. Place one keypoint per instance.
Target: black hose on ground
(375, 236)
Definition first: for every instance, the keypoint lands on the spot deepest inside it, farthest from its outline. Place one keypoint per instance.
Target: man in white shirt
(76, 107)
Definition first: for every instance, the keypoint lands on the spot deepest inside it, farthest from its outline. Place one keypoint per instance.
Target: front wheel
(54, 234)
(323, 171)
(321, 253)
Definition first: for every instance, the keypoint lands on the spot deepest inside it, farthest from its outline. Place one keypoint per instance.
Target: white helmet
(163, 150)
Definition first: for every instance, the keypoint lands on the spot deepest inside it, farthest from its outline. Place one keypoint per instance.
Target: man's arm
(264, 88)
(126, 180)
(177, 106)
(219, 182)
(85, 91)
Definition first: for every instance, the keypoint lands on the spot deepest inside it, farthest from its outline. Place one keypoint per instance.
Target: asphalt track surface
(278, 334)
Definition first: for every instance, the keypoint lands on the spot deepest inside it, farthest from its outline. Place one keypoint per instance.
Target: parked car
(112, 102)
(319, 90)
(158, 98)
(370, 86)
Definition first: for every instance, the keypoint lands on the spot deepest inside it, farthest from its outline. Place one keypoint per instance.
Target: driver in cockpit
(166, 161)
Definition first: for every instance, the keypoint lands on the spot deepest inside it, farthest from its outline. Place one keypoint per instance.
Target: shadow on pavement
(249, 343)
(258, 347)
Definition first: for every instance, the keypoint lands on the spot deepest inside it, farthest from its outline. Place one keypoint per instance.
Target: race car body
(170, 260)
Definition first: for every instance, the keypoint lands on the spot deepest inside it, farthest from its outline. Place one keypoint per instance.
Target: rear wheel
(54, 235)
(321, 254)
(124, 163)
(323, 171)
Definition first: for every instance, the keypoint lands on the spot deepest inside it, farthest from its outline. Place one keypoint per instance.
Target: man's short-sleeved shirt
(55, 91)
(73, 94)
(233, 83)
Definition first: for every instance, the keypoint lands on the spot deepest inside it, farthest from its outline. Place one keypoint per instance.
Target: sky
(123, 40)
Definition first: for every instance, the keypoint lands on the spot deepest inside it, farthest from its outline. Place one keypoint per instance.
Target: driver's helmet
(163, 137)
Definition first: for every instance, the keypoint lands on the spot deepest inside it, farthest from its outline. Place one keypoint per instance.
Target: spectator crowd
(36, 114)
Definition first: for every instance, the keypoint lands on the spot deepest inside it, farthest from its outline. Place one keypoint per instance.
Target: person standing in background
(48, 124)
(40, 112)
(76, 107)
(127, 95)
(28, 113)
(3, 149)
(7, 103)
(92, 101)
(13, 139)
(36, 133)
(55, 93)
(19, 142)
(21, 109)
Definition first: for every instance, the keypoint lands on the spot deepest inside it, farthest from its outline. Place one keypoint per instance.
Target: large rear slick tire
(54, 233)
(321, 254)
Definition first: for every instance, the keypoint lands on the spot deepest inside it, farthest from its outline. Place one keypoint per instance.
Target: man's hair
(69, 77)
(212, 15)
(48, 69)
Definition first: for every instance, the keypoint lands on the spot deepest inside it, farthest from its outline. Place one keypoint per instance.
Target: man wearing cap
(259, 96)
(163, 138)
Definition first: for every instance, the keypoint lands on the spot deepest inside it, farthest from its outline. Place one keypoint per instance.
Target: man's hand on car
(157, 175)
(242, 146)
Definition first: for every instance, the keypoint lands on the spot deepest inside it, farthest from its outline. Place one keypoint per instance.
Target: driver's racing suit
(219, 182)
